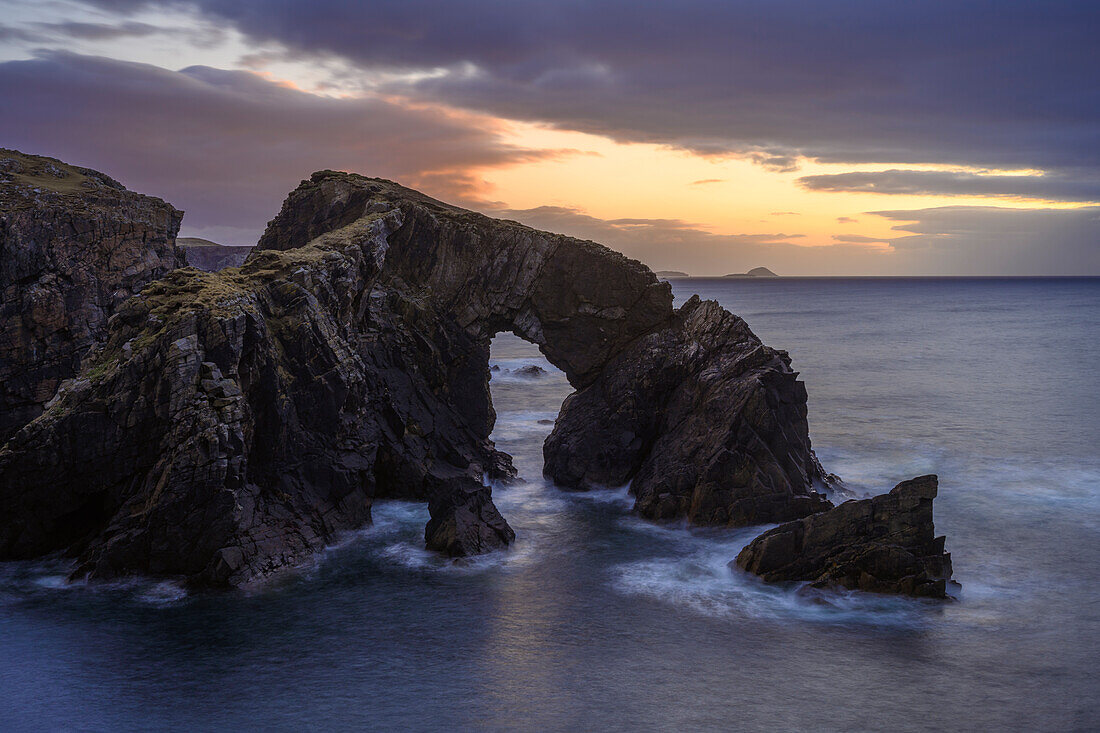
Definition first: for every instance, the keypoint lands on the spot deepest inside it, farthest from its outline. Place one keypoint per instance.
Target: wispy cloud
(1052, 187)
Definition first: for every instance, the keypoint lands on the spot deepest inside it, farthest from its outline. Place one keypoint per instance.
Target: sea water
(599, 620)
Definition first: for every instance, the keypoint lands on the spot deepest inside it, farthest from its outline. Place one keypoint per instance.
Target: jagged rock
(531, 371)
(885, 544)
(706, 422)
(580, 302)
(74, 244)
(211, 256)
(234, 422)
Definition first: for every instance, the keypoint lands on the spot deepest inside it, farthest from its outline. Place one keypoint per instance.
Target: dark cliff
(228, 424)
(236, 421)
(706, 422)
(74, 244)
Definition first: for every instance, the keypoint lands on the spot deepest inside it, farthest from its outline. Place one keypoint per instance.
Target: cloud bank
(226, 146)
(1004, 85)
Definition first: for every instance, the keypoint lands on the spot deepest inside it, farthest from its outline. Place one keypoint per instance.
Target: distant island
(754, 272)
(667, 274)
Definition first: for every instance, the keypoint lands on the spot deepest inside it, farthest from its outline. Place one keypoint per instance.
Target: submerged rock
(885, 544)
(74, 244)
(705, 420)
(531, 371)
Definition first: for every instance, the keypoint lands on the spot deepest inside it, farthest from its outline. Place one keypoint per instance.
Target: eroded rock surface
(234, 422)
(885, 544)
(74, 244)
(706, 422)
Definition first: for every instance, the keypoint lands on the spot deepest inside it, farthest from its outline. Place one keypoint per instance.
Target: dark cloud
(860, 239)
(959, 183)
(99, 31)
(1008, 84)
(10, 33)
(226, 146)
(845, 220)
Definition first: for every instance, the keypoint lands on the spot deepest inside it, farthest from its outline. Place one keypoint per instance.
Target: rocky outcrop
(580, 302)
(234, 422)
(210, 256)
(703, 419)
(885, 544)
(74, 244)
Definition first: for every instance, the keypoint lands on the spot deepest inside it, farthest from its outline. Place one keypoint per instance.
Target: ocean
(598, 620)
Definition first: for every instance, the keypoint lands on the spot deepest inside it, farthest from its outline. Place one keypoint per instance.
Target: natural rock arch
(234, 422)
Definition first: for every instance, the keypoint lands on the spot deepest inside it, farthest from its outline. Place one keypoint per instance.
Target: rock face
(705, 420)
(885, 544)
(232, 423)
(235, 422)
(74, 244)
(211, 256)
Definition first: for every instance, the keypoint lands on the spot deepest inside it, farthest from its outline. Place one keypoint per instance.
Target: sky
(812, 137)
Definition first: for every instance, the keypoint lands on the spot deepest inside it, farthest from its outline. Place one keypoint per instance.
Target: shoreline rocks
(885, 544)
(706, 421)
(226, 425)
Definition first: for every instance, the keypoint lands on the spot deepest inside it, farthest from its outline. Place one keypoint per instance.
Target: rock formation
(706, 421)
(885, 544)
(231, 423)
(234, 422)
(74, 244)
(211, 256)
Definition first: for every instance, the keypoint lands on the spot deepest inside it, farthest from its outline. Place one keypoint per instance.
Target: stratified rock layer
(74, 244)
(706, 422)
(885, 544)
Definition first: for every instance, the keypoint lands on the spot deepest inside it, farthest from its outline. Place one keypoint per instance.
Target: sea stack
(885, 544)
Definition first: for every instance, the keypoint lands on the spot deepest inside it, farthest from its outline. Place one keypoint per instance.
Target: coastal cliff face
(235, 422)
(74, 244)
(229, 424)
(705, 421)
(580, 302)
